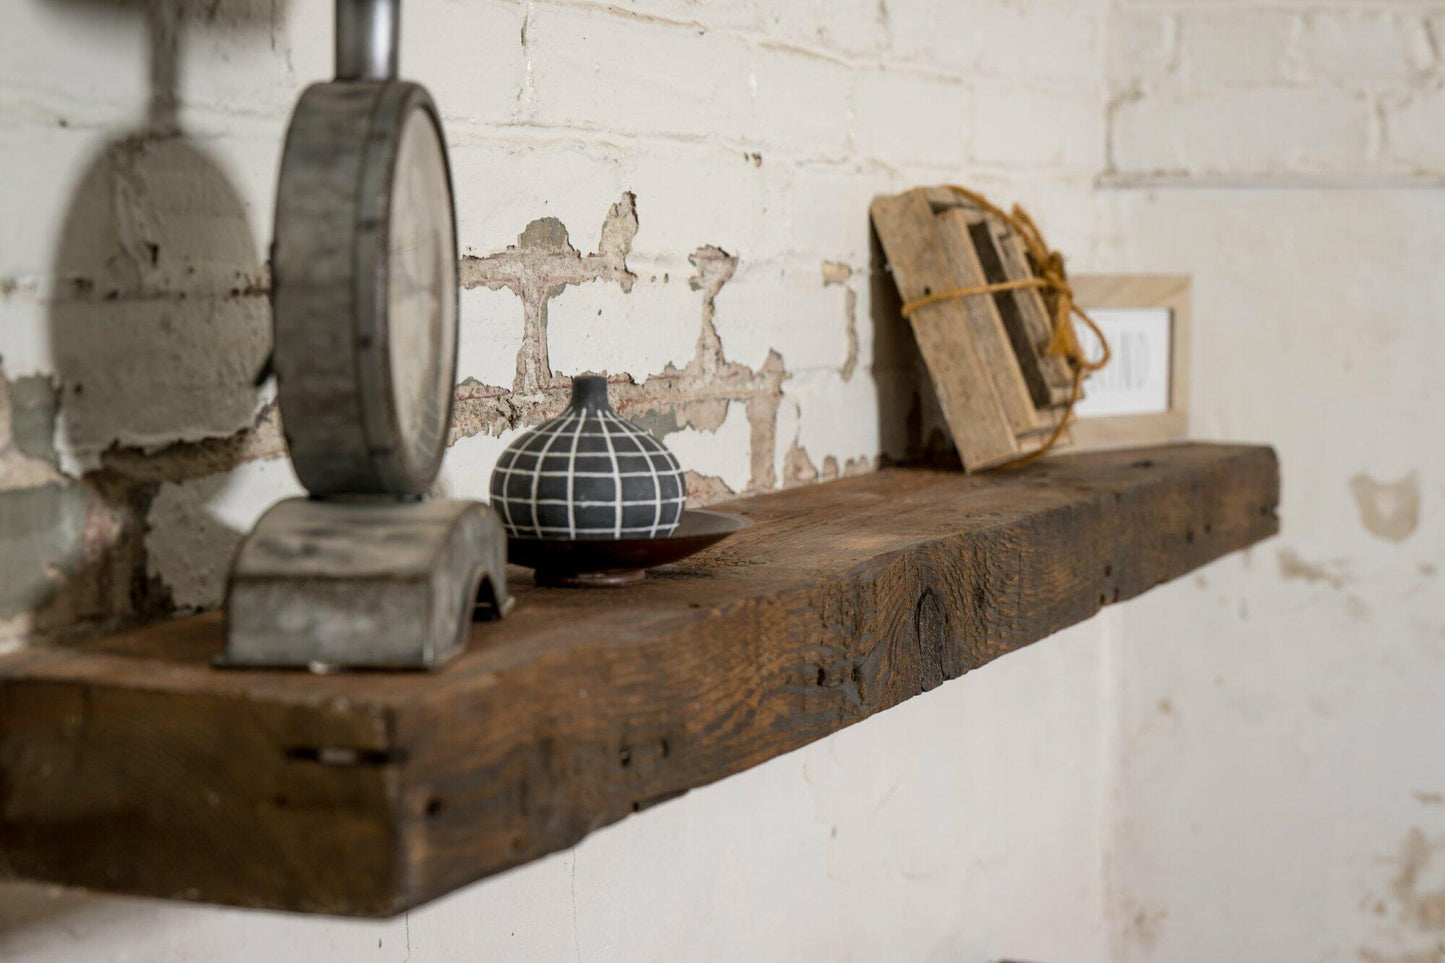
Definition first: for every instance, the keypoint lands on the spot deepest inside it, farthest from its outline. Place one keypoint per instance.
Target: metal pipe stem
(368, 33)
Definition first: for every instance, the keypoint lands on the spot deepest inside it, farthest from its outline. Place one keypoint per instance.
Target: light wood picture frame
(1169, 291)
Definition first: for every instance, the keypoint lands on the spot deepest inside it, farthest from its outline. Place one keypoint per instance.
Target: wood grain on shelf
(130, 765)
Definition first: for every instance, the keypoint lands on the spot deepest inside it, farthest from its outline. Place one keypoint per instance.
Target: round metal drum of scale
(364, 282)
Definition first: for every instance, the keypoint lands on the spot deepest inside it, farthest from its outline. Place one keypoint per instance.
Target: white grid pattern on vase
(588, 474)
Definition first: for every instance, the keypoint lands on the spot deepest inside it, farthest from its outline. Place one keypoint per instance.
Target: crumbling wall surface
(671, 192)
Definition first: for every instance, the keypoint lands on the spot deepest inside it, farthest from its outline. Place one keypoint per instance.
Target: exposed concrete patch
(198, 459)
(33, 404)
(1388, 510)
(27, 428)
(75, 555)
(1293, 566)
(45, 531)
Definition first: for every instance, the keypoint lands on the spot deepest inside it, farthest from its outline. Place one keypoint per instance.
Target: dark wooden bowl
(589, 562)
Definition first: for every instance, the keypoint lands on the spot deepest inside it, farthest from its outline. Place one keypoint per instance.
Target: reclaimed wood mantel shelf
(130, 765)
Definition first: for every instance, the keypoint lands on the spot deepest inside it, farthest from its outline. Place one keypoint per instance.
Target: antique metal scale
(366, 572)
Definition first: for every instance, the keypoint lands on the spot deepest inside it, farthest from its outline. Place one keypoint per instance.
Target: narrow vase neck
(590, 392)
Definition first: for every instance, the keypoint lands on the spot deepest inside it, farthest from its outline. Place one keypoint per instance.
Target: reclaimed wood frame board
(130, 765)
(1171, 291)
(965, 387)
(1001, 393)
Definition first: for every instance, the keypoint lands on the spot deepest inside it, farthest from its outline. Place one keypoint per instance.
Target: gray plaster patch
(33, 404)
(44, 540)
(1388, 510)
(659, 423)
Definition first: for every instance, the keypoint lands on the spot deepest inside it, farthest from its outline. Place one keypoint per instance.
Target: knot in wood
(930, 629)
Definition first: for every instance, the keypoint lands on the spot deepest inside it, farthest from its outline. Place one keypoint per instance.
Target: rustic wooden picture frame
(1171, 291)
(1001, 393)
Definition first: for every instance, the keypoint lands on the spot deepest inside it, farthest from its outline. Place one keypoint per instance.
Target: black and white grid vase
(588, 474)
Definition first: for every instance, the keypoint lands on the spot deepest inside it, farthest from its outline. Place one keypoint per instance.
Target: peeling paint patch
(798, 468)
(1388, 510)
(836, 272)
(706, 489)
(1293, 566)
(540, 266)
(720, 454)
(696, 397)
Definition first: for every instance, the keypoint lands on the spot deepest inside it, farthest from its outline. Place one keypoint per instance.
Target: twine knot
(1053, 279)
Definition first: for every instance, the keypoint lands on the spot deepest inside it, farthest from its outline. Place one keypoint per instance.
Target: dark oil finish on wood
(130, 765)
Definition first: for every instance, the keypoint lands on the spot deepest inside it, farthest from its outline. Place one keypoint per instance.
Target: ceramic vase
(588, 473)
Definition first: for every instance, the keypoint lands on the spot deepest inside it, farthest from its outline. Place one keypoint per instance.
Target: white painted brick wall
(1261, 131)
(1272, 91)
(759, 130)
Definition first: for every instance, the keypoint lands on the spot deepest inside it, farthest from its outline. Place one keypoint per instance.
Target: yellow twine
(1053, 278)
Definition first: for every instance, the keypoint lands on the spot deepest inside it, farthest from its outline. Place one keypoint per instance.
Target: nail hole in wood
(434, 806)
(624, 758)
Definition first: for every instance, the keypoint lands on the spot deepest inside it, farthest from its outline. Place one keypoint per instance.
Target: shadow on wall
(910, 419)
(158, 323)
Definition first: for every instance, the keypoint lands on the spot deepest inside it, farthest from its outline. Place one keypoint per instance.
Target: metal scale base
(334, 584)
